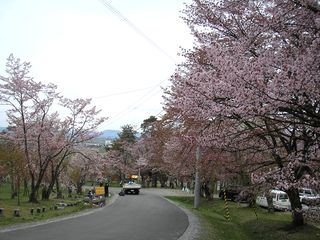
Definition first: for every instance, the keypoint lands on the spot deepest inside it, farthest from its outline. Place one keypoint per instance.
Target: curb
(193, 230)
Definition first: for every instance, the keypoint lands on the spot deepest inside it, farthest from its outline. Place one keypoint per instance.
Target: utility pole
(196, 202)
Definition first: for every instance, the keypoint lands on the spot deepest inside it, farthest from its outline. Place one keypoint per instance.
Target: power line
(123, 93)
(145, 97)
(156, 115)
(132, 107)
(154, 90)
(136, 29)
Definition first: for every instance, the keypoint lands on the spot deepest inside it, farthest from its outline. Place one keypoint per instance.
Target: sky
(117, 52)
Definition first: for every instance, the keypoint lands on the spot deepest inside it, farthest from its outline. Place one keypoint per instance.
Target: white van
(279, 198)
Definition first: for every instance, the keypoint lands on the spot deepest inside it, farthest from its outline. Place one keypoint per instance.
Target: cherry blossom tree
(29, 116)
(252, 81)
(86, 164)
(12, 166)
(148, 152)
(180, 154)
(120, 156)
(79, 127)
(151, 147)
(44, 138)
(165, 152)
(4, 171)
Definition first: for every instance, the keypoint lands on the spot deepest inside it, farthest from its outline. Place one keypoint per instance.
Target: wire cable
(135, 28)
(124, 93)
(132, 107)
(156, 115)
(148, 95)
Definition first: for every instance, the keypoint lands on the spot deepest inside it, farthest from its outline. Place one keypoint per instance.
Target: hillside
(110, 134)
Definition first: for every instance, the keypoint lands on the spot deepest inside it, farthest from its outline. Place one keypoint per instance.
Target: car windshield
(309, 192)
(283, 196)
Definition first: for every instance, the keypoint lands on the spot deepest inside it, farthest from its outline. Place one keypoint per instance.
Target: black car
(231, 192)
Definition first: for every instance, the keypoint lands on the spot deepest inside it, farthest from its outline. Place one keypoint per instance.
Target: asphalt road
(135, 217)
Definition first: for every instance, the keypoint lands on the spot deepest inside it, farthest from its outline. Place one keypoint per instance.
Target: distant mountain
(111, 134)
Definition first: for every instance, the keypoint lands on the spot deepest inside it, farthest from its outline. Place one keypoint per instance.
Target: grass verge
(47, 209)
(246, 223)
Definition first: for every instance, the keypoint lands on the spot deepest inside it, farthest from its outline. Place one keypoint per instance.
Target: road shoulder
(194, 229)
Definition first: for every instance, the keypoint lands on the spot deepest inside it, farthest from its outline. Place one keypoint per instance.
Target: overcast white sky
(89, 52)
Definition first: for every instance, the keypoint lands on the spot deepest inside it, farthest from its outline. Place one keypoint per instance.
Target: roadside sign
(99, 190)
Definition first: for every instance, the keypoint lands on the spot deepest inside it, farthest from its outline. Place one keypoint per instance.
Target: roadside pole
(196, 202)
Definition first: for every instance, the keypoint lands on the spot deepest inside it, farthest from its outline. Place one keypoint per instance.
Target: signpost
(99, 191)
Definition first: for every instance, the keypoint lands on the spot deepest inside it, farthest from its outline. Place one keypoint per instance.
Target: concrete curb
(194, 229)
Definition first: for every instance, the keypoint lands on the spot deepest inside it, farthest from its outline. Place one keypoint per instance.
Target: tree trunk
(44, 193)
(59, 193)
(269, 201)
(171, 183)
(143, 181)
(79, 188)
(33, 196)
(181, 184)
(163, 178)
(47, 192)
(121, 178)
(296, 207)
(13, 188)
(35, 184)
(196, 201)
(154, 180)
(34, 189)
(206, 190)
(25, 187)
(49, 189)
(18, 190)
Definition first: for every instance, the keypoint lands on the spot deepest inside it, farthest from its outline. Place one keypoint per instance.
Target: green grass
(9, 205)
(246, 223)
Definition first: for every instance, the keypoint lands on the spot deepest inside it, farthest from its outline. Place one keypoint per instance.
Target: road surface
(135, 217)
